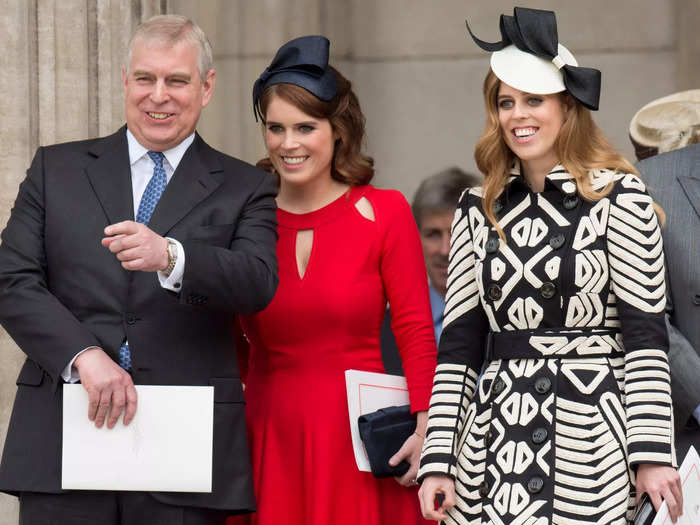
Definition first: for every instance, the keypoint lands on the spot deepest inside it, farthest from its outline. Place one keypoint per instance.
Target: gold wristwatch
(172, 257)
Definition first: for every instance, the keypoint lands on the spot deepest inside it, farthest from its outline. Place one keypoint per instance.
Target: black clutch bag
(383, 433)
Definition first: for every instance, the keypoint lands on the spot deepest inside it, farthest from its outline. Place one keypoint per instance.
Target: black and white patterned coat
(569, 317)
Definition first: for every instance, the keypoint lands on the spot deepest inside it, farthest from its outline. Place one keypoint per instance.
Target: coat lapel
(691, 187)
(192, 182)
(690, 180)
(110, 177)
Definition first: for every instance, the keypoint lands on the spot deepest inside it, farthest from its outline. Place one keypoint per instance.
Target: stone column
(61, 81)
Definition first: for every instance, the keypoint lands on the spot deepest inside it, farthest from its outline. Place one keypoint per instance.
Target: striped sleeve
(460, 354)
(635, 254)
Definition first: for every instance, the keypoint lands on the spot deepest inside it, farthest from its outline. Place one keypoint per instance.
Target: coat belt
(554, 343)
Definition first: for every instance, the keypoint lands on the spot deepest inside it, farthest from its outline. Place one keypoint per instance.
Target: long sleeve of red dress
(406, 287)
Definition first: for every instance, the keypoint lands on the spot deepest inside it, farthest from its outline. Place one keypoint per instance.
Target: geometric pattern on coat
(551, 433)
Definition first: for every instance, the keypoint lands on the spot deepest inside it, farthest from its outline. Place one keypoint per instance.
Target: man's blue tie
(154, 190)
(150, 198)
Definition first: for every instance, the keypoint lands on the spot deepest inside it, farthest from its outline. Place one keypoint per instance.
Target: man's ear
(124, 77)
(208, 87)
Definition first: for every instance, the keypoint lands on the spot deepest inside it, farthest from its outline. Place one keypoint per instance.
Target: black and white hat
(530, 58)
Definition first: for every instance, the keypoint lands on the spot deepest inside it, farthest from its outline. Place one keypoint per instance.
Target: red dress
(317, 327)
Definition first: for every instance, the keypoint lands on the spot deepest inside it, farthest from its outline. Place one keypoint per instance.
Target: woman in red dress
(345, 249)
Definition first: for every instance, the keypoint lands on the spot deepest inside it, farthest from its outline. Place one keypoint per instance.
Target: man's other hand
(108, 385)
(137, 246)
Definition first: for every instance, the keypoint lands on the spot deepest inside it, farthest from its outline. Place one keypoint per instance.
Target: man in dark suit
(673, 179)
(124, 261)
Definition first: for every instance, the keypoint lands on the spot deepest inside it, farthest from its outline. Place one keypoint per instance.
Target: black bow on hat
(534, 31)
(302, 62)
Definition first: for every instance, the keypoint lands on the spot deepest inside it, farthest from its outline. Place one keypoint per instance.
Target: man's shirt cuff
(173, 282)
(70, 373)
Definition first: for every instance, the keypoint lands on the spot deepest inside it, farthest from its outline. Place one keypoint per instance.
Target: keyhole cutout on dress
(304, 243)
(365, 208)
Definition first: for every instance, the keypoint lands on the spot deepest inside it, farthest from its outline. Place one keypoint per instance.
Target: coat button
(488, 438)
(547, 290)
(497, 206)
(483, 489)
(498, 386)
(557, 241)
(495, 292)
(539, 435)
(542, 385)
(570, 202)
(535, 484)
(492, 245)
(130, 319)
(696, 299)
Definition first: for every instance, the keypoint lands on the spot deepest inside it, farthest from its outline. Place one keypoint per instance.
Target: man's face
(164, 93)
(435, 235)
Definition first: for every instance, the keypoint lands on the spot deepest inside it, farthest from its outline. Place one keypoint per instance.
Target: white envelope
(166, 448)
(690, 479)
(368, 392)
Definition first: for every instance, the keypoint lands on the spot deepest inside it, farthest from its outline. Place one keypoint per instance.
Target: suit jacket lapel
(691, 187)
(192, 182)
(690, 180)
(110, 177)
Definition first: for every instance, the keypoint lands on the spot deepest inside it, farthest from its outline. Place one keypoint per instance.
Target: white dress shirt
(141, 173)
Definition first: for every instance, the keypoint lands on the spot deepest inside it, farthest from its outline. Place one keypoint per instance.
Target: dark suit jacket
(673, 179)
(61, 291)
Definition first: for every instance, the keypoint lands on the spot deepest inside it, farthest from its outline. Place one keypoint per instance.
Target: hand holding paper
(690, 481)
(108, 385)
(661, 483)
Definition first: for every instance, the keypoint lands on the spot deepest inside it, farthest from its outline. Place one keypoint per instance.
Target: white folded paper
(690, 479)
(368, 392)
(166, 448)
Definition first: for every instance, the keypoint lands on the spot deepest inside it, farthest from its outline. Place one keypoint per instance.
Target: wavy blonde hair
(581, 146)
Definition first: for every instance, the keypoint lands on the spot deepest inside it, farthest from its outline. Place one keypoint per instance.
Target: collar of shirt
(437, 303)
(173, 155)
(437, 307)
(142, 165)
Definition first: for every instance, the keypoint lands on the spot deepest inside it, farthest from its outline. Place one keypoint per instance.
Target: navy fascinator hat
(530, 58)
(302, 62)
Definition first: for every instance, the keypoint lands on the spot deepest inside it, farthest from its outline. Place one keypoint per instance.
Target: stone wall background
(414, 68)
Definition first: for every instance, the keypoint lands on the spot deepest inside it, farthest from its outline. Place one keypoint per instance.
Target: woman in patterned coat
(556, 285)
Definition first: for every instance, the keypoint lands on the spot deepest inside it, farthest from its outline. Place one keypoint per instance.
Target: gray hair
(172, 29)
(440, 192)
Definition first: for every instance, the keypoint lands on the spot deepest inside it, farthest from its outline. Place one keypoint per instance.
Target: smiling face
(163, 92)
(300, 146)
(531, 123)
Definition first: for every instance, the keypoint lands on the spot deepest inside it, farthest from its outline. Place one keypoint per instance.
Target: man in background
(124, 262)
(434, 205)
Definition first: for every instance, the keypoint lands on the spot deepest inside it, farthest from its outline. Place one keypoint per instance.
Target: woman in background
(556, 282)
(344, 249)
